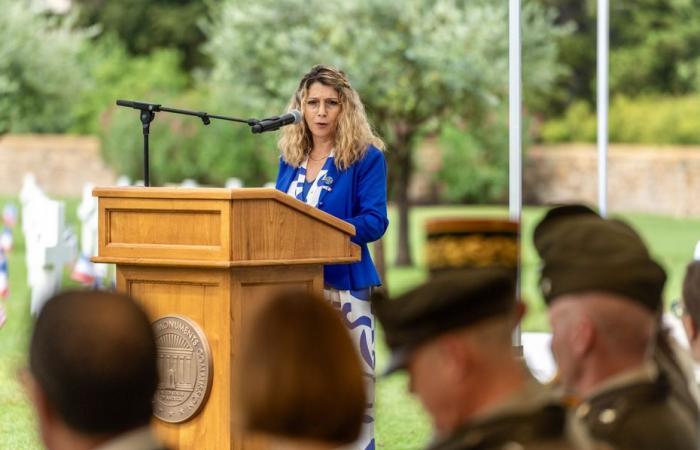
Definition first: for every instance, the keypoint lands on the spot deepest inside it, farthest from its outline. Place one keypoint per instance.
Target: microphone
(275, 123)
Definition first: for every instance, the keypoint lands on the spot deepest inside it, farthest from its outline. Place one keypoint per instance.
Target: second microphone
(275, 123)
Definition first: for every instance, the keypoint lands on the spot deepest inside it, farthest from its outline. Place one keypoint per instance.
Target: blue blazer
(358, 196)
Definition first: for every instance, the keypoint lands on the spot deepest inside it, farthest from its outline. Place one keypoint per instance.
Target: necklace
(319, 159)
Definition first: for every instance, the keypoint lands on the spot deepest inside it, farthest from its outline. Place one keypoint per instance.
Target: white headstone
(270, 184)
(696, 256)
(123, 180)
(87, 213)
(234, 183)
(30, 197)
(189, 183)
(50, 245)
(84, 270)
(29, 188)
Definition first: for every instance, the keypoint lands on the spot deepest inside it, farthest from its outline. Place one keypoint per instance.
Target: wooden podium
(214, 256)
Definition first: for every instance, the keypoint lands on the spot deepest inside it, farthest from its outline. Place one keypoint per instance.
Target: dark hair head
(300, 373)
(94, 355)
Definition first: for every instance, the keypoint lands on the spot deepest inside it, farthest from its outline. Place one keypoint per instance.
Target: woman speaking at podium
(333, 161)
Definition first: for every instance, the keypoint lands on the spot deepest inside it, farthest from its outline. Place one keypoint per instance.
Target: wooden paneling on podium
(213, 256)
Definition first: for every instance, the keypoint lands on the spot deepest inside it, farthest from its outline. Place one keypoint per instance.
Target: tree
(40, 69)
(654, 49)
(145, 26)
(416, 63)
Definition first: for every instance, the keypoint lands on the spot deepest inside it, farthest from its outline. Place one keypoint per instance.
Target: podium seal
(184, 369)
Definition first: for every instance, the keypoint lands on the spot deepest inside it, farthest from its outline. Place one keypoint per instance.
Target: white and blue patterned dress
(354, 305)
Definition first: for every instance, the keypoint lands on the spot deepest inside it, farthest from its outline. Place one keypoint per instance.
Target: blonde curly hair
(353, 134)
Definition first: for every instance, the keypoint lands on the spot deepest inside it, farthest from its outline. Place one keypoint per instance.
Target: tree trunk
(380, 262)
(402, 168)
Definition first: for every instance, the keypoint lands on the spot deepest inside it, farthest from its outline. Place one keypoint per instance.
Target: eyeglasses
(329, 103)
(678, 308)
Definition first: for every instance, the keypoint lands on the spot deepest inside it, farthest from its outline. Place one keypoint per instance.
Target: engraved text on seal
(184, 366)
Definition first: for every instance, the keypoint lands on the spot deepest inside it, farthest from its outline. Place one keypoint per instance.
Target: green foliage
(643, 120)
(415, 63)
(182, 147)
(115, 74)
(145, 26)
(412, 61)
(40, 73)
(654, 49)
(655, 46)
(577, 125)
(475, 162)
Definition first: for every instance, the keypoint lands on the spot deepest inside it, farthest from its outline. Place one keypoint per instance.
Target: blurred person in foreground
(453, 335)
(332, 160)
(603, 291)
(300, 379)
(92, 373)
(688, 308)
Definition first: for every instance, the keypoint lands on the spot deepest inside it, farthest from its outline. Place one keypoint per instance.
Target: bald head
(600, 332)
(624, 325)
(93, 354)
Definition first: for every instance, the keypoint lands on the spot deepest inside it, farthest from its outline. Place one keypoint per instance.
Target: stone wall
(62, 164)
(657, 180)
(646, 179)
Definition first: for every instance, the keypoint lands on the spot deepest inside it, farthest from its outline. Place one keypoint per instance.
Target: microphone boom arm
(154, 107)
(147, 115)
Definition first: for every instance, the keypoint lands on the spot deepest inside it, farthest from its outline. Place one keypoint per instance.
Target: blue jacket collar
(288, 176)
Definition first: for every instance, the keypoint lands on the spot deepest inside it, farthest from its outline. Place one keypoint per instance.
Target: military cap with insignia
(582, 251)
(466, 243)
(446, 302)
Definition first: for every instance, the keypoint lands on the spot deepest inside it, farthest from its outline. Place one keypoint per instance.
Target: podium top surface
(208, 193)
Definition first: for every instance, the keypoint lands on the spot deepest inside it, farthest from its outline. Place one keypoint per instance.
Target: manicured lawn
(17, 423)
(400, 423)
(17, 428)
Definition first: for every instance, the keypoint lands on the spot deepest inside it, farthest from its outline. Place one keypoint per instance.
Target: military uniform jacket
(637, 411)
(533, 419)
(676, 364)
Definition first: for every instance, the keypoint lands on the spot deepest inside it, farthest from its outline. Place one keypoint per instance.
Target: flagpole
(602, 104)
(514, 130)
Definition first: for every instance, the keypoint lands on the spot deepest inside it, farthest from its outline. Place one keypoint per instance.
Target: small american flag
(6, 240)
(4, 276)
(9, 215)
(84, 271)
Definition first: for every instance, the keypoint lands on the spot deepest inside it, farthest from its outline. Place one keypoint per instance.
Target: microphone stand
(148, 113)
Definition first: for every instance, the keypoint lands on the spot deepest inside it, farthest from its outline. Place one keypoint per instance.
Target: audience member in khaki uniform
(453, 337)
(688, 309)
(604, 291)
